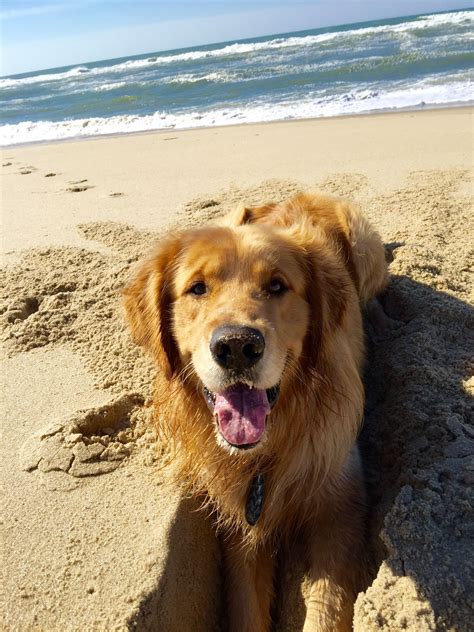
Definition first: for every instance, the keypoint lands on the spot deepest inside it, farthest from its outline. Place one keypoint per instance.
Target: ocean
(385, 65)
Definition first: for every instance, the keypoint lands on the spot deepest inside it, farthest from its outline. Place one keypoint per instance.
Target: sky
(40, 34)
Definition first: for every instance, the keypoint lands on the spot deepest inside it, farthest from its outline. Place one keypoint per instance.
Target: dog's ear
(249, 215)
(327, 294)
(148, 306)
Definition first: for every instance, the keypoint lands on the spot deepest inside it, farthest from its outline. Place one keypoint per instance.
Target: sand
(96, 536)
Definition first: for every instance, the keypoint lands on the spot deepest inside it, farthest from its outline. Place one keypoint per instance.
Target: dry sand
(95, 536)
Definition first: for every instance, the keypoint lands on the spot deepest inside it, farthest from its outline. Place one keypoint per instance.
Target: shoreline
(369, 113)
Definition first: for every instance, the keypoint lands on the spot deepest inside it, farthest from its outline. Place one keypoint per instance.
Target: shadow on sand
(416, 441)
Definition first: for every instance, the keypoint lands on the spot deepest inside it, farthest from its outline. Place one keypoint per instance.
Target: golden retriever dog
(255, 324)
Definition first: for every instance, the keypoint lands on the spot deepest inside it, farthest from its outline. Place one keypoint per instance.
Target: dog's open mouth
(241, 412)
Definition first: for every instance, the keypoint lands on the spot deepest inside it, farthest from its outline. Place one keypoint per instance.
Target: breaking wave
(355, 102)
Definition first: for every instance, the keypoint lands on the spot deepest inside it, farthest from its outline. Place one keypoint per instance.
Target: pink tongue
(241, 413)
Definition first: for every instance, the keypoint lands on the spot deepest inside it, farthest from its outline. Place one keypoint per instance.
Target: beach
(96, 535)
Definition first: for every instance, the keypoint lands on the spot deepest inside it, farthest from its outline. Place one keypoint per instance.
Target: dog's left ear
(249, 215)
(148, 304)
(327, 294)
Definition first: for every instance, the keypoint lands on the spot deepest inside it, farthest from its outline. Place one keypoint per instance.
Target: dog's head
(240, 312)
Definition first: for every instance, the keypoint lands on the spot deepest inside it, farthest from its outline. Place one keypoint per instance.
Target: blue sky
(38, 34)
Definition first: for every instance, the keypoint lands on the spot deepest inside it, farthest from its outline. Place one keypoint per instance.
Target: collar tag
(255, 499)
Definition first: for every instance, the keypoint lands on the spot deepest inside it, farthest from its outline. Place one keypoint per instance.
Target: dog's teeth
(210, 397)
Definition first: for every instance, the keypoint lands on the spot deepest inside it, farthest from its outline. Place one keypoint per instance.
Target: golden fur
(333, 262)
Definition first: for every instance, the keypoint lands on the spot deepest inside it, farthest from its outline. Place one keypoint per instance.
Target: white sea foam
(423, 22)
(105, 87)
(58, 76)
(355, 102)
(212, 77)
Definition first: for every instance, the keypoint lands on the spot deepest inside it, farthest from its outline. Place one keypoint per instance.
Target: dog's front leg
(338, 563)
(330, 604)
(248, 586)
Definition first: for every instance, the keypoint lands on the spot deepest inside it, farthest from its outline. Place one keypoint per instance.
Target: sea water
(385, 65)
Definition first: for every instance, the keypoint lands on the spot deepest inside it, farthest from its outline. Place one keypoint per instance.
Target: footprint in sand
(21, 309)
(390, 250)
(49, 175)
(116, 194)
(26, 170)
(77, 186)
(7, 164)
(88, 443)
(201, 204)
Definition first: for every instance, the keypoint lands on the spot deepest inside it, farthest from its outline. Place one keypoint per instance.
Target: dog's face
(239, 316)
(239, 310)
(230, 309)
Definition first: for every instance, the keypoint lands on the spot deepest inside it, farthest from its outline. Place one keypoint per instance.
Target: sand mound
(417, 436)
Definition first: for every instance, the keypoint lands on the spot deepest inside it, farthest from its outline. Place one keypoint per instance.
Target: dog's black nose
(237, 348)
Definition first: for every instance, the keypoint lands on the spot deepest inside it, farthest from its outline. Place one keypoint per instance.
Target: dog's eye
(276, 286)
(198, 289)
